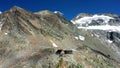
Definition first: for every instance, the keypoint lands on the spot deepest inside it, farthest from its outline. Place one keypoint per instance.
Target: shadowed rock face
(30, 40)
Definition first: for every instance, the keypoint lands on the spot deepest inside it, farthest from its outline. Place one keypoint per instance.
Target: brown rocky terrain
(30, 40)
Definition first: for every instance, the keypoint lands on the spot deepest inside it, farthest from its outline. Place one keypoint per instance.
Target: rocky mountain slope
(106, 28)
(30, 40)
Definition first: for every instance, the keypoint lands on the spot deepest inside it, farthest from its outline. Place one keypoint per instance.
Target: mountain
(103, 27)
(46, 39)
(97, 19)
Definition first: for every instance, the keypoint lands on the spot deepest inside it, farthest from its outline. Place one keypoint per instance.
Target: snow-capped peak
(88, 19)
(58, 12)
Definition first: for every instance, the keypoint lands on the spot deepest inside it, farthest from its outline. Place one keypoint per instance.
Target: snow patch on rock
(58, 12)
(82, 38)
(77, 38)
(109, 41)
(92, 35)
(97, 35)
(54, 45)
(6, 33)
(1, 25)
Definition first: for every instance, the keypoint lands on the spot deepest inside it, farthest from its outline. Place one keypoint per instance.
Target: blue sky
(70, 8)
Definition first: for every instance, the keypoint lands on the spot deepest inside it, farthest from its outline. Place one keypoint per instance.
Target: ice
(58, 12)
(109, 41)
(103, 27)
(6, 33)
(81, 38)
(76, 38)
(88, 20)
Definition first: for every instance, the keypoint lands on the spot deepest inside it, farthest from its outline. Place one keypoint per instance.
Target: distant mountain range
(106, 27)
(31, 40)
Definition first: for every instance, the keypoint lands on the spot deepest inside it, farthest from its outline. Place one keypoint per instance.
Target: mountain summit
(46, 39)
(18, 20)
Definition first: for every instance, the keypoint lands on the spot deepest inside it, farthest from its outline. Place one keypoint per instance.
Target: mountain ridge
(31, 40)
(106, 29)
